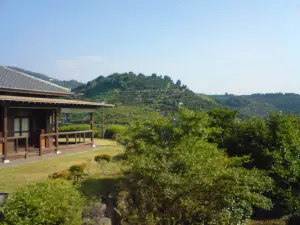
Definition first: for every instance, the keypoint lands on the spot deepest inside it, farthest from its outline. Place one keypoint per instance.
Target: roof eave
(21, 91)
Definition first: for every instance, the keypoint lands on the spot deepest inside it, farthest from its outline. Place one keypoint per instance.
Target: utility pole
(103, 122)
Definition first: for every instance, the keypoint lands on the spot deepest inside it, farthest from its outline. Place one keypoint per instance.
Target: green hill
(138, 95)
(129, 89)
(261, 104)
(65, 83)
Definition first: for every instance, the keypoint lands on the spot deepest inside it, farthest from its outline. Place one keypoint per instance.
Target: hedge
(78, 127)
(114, 130)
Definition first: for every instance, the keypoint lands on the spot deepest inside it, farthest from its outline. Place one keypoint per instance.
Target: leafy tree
(178, 82)
(273, 146)
(285, 152)
(175, 176)
(223, 119)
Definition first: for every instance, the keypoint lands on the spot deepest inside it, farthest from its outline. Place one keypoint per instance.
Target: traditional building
(29, 116)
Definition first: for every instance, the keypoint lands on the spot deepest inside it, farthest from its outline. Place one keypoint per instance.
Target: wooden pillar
(102, 122)
(5, 133)
(56, 131)
(67, 139)
(26, 147)
(42, 142)
(92, 128)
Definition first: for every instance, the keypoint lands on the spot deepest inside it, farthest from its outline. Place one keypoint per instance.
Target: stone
(104, 221)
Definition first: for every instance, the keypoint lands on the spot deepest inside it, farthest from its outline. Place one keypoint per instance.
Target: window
(21, 127)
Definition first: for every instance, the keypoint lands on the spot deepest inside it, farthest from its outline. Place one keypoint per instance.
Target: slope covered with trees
(159, 92)
(261, 104)
(156, 93)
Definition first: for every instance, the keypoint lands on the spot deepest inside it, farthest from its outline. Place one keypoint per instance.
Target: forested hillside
(261, 104)
(65, 83)
(137, 95)
(159, 92)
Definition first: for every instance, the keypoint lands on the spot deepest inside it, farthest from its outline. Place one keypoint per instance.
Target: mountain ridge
(161, 93)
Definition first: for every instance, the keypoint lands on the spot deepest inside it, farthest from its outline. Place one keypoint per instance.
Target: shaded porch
(28, 129)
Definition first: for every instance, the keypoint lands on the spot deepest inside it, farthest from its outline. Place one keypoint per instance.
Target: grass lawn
(13, 177)
(98, 141)
(282, 221)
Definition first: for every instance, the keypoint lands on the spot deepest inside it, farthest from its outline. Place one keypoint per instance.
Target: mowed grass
(11, 178)
(98, 141)
(282, 221)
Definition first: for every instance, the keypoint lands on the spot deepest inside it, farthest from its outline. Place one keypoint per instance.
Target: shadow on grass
(119, 157)
(95, 188)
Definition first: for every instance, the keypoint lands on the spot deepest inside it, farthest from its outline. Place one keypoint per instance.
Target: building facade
(29, 116)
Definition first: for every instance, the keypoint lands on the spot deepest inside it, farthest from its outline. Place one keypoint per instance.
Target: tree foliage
(177, 177)
(273, 146)
(131, 90)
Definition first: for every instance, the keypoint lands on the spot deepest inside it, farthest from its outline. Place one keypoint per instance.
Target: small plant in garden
(48, 202)
(88, 166)
(64, 174)
(114, 131)
(77, 171)
(102, 160)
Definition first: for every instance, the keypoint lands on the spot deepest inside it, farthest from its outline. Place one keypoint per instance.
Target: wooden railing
(78, 136)
(16, 143)
(46, 140)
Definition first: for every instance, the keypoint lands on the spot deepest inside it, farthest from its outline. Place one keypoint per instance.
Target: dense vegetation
(160, 92)
(176, 175)
(199, 167)
(137, 95)
(211, 168)
(261, 104)
(45, 203)
(273, 146)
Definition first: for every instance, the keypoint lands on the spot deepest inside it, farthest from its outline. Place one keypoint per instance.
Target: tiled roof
(59, 102)
(11, 79)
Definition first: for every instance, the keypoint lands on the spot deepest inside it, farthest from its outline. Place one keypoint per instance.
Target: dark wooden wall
(39, 120)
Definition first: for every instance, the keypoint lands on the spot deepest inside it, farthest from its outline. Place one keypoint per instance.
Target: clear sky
(212, 46)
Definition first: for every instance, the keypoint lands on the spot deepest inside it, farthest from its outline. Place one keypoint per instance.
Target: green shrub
(74, 127)
(101, 158)
(77, 171)
(97, 133)
(78, 127)
(64, 174)
(113, 131)
(77, 168)
(49, 202)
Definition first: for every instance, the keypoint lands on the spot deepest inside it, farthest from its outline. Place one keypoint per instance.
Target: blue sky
(212, 46)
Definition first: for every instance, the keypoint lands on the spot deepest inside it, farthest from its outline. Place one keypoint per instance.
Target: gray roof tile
(11, 79)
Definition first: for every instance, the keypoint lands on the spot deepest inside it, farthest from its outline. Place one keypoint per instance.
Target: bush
(77, 168)
(77, 171)
(74, 127)
(97, 133)
(64, 174)
(78, 127)
(101, 158)
(49, 202)
(113, 131)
